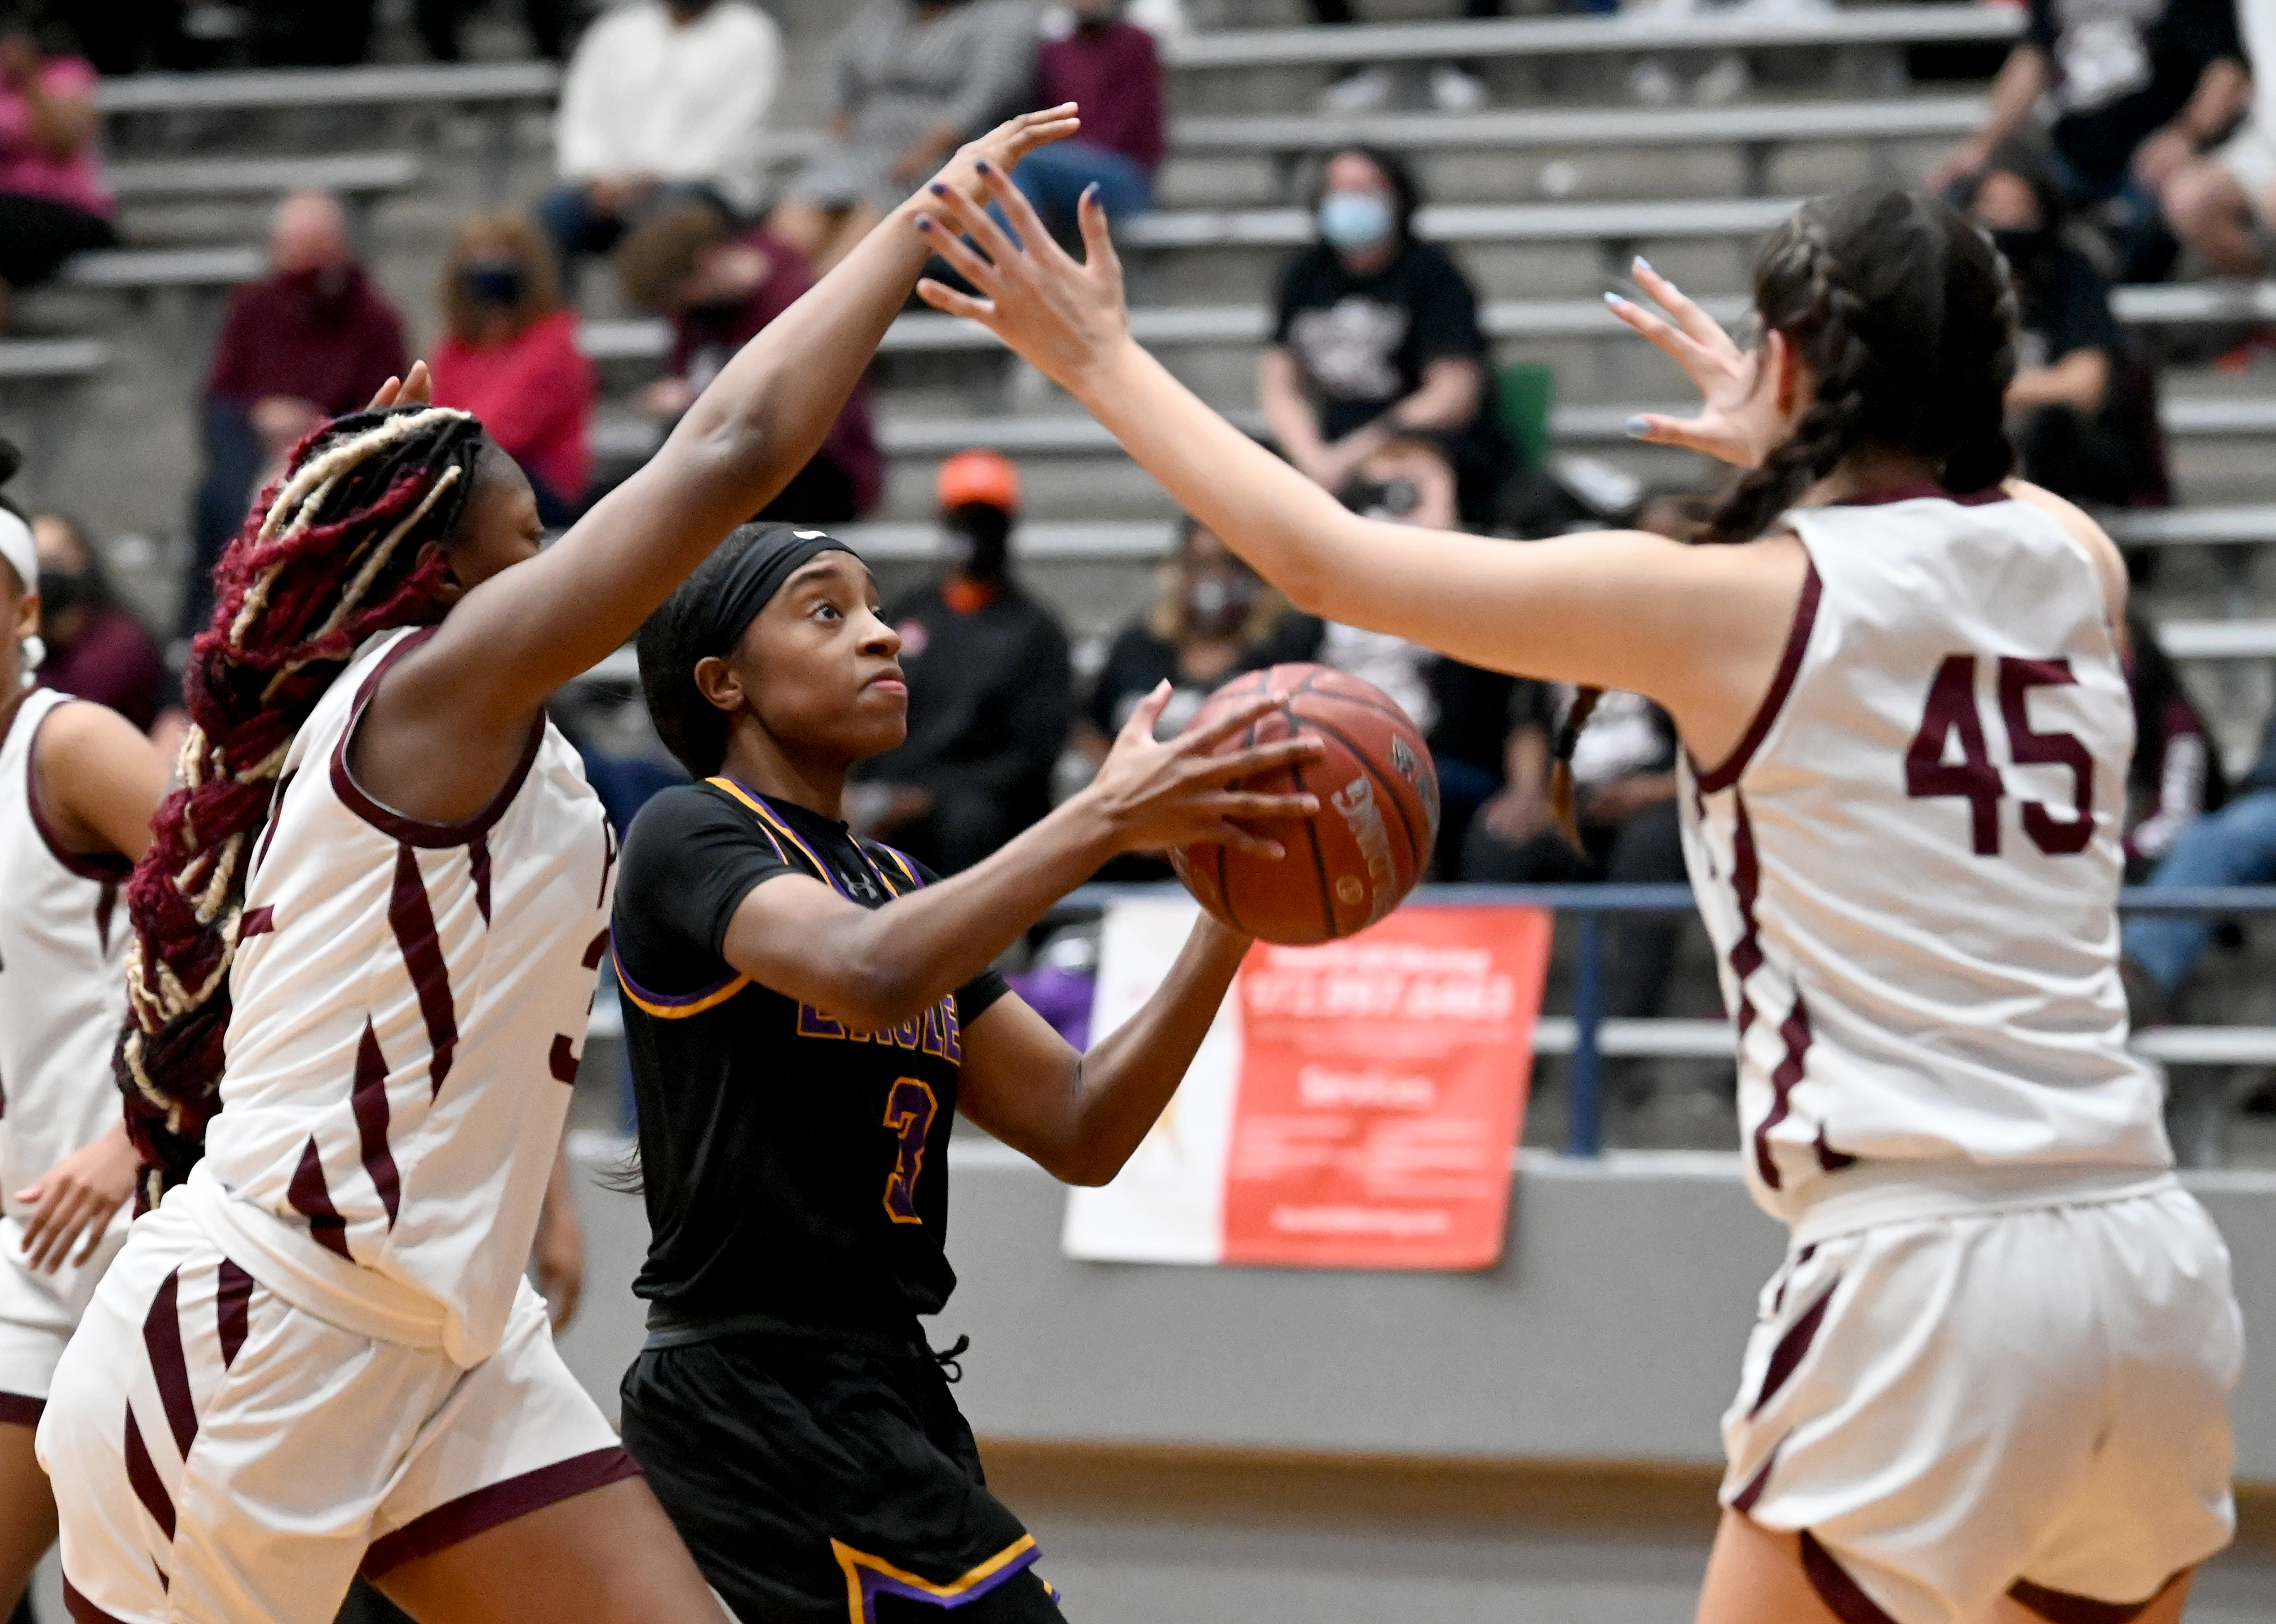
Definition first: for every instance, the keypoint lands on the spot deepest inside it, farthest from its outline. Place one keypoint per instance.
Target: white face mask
(31, 655)
(1354, 219)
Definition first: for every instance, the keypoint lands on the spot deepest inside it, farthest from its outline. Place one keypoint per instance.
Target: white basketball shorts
(38, 1313)
(221, 1456)
(2032, 1403)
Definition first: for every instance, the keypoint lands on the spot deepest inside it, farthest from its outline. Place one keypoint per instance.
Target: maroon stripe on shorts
(20, 1409)
(142, 1474)
(312, 1199)
(162, 1337)
(83, 1611)
(1835, 1588)
(455, 1522)
(412, 916)
(368, 1100)
(232, 1300)
(1792, 1349)
(2062, 1607)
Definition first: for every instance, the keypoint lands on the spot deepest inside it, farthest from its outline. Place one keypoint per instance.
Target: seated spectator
(2176, 776)
(2139, 86)
(989, 689)
(1108, 68)
(909, 81)
(53, 202)
(1377, 338)
(1455, 88)
(720, 287)
(661, 101)
(509, 354)
(1405, 481)
(440, 21)
(96, 649)
(2082, 411)
(2236, 845)
(2223, 203)
(312, 340)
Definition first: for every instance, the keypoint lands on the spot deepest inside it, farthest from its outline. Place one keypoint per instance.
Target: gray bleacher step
(2242, 524)
(150, 180)
(156, 268)
(357, 86)
(43, 359)
(1483, 222)
(1771, 122)
(1737, 30)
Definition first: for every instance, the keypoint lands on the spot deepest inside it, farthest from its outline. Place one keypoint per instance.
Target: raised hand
(1003, 147)
(1155, 794)
(416, 390)
(1740, 422)
(1062, 316)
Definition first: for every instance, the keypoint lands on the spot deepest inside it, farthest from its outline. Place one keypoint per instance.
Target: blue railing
(1588, 906)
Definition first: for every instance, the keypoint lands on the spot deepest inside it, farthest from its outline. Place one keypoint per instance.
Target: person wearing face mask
(719, 288)
(509, 354)
(1377, 338)
(1108, 68)
(311, 340)
(2082, 409)
(53, 200)
(95, 648)
(991, 690)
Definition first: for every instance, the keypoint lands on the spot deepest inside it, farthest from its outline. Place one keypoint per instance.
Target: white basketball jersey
(1910, 865)
(410, 1003)
(63, 991)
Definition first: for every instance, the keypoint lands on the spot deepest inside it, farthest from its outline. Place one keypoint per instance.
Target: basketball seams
(1312, 827)
(1391, 788)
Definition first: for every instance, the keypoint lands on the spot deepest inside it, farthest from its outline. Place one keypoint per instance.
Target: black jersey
(794, 1167)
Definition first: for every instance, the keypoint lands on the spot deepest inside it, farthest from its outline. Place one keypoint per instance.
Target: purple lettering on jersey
(952, 1037)
(813, 1023)
(934, 1044)
(910, 1033)
(910, 1109)
(368, 1101)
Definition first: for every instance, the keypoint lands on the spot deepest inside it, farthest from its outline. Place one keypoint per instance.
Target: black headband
(750, 583)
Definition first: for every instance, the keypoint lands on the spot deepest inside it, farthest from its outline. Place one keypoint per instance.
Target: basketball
(1378, 792)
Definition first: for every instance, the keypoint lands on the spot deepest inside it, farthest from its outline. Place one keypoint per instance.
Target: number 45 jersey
(1910, 867)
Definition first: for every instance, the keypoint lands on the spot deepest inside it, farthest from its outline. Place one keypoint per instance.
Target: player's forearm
(1121, 1087)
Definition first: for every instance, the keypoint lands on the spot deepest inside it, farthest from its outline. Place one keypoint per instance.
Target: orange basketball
(1379, 794)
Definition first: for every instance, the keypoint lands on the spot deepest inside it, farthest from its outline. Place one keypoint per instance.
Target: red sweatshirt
(535, 394)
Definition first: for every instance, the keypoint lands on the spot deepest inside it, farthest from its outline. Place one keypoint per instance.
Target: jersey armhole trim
(1789, 667)
(86, 865)
(394, 824)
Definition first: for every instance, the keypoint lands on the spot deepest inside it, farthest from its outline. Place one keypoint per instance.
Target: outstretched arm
(1082, 1115)
(1699, 629)
(876, 967)
(521, 634)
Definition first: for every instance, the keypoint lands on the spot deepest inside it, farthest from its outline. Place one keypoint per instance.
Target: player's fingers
(1245, 841)
(1030, 131)
(1236, 764)
(1700, 327)
(384, 396)
(97, 1224)
(945, 299)
(1661, 334)
(1697, 434)
(973, 221)
(1147, 712)
(1202, 740)
(1097, 240)
(418, 386)
(1246, 803)
(1027, 224)
(39, 1236)
(960, 253)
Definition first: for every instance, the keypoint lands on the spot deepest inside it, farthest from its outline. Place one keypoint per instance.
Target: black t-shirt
(2066, 308)
(793, 1167)
(1141, 660)
(2123, 69)
(1363, 341)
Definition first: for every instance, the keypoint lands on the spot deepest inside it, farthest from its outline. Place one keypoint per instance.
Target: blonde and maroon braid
(334, 551)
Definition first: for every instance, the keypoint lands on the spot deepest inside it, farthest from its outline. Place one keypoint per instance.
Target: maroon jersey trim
(1797, 644)
(86, 865)
(1841, 1594)
(455, 1522)
(1925, 490)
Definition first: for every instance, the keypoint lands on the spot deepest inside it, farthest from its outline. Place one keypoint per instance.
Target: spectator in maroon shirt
(312, 340)
(95, 648)
(720, 287)
(1108, 67)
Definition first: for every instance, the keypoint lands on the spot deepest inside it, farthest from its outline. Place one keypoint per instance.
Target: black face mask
(980, 541)
(1390, 499)
(495, 282)
(61, 590)
(2021, 247)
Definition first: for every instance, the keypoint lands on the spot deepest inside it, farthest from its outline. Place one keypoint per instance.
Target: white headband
(22, 553)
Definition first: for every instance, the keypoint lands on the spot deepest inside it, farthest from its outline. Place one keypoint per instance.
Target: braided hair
(1905, 316)
(333, 552)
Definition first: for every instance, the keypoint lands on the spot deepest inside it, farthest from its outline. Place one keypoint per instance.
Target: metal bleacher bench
(462, 82)
(352, 174)
(51, 361)
(1599, 223)
(1563, 37)
(137, 270)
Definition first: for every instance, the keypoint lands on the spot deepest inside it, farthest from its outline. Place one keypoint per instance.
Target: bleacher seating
(356, 176)
(459, 83)
(142, 269)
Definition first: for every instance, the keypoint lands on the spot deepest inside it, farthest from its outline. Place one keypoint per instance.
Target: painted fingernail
(981, 166)
(1644, 265)
(1616, 301)
(939, 190)
(924, 222)
(1637, 427)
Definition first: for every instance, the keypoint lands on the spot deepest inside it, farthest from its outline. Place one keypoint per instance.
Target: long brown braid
(1905, 316)
(334, 552)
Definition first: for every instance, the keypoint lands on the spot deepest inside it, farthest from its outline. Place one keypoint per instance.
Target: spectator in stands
(2236, 845)
(2082, 409)
(909, 79)
(1107, 66)
(2176, 777)
(509, 354)
(2139, 86)
(720, 287)
(440, 21)
(661, 101)
(1408, 481)
(53, 202)
(990, 689)
(2223, 204)
(311, 340)
(1377, 338)
(96, 649)
(1453, 89)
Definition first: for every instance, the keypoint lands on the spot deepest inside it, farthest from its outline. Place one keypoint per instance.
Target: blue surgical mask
(1354, 219)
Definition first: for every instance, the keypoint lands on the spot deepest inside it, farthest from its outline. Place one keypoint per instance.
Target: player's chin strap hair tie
(755, 576)
(23, 556)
